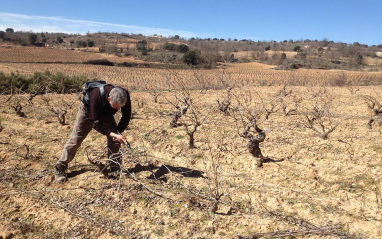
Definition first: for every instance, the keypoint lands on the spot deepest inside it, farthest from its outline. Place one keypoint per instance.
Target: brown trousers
(81, 129)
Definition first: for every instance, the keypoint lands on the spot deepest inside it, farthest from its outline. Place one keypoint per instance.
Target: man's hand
(119, 138)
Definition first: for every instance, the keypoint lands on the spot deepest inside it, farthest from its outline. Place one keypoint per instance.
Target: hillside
(209, 53)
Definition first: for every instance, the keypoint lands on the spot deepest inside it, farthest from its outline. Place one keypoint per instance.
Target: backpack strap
(102, 92)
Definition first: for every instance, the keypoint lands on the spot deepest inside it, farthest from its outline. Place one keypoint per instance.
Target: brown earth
(308, 186)
(306, 182)
(17, 54)
(250, 54)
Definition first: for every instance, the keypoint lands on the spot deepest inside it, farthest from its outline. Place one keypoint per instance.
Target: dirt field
(308, 186)
(250, 54)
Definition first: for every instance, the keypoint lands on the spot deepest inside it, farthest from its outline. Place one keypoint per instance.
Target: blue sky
(345, 21)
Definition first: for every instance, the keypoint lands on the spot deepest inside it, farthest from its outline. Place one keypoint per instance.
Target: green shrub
(174, 47)
(81, 44)
(182, 48)
(144, 52)
(103, 62)
(297, 48)
(293, 66)
(169, 46)
(134, 64)
(141, 45)
(32, 38)
(40, 83)
(60, 40)
(190, 58)
(90, 43)
(14, 82)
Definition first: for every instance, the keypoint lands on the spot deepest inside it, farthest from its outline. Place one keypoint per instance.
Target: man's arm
(96, 111)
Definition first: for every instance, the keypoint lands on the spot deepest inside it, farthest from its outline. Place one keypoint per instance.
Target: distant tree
(90, 43)
(182, 48)
(32, 38)
(190, 58)
(358, 58)
(297, 48)
(356, 44)
(267, 48)
(144, 52)
(141, 45)
(169, 46)
(232, 58)
(2, 34)
(9, 30)
(60, 40)
(81, 43)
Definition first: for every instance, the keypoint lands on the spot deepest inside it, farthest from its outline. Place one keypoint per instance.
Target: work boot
(115, 168)
(60, 174)
(115, 165)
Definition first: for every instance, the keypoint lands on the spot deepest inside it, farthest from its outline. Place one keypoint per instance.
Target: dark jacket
(103, 116)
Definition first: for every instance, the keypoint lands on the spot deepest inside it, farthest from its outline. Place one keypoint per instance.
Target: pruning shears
(125, 142)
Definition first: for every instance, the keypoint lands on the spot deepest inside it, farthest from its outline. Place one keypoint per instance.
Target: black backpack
(89, 86)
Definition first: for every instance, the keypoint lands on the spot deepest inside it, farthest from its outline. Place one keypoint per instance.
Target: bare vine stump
(174, 121)
(379, 119)
(253, 147)
(191, 142)
(18, 108)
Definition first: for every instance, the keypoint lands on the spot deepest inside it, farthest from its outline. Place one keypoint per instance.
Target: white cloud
(59, 24)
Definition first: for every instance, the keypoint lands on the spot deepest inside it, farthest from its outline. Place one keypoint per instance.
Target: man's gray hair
(118, 95)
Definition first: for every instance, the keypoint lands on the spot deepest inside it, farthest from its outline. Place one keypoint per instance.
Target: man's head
(117, 98)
